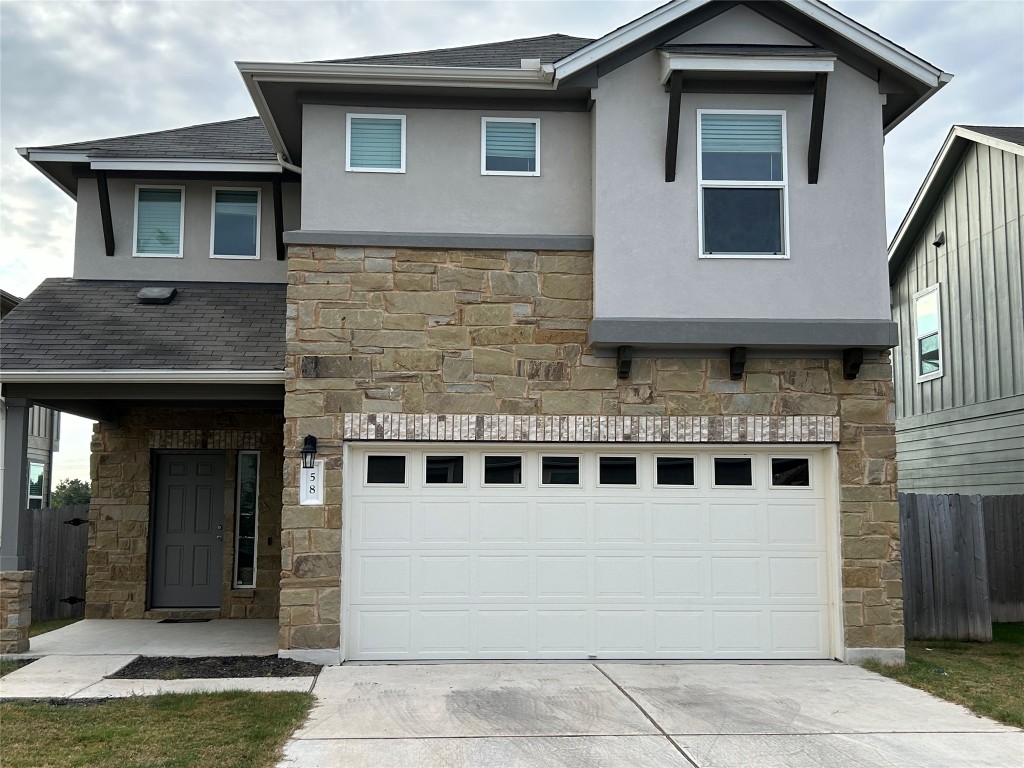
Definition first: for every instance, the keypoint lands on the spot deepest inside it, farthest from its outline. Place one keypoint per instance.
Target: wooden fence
(58, 550)
(962, 562)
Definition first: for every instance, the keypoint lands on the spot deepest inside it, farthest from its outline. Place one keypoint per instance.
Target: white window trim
(797, 488)
(918, 377)
(256, 530)
(441, 455)
(483, 145)
(181, 224)
(42, 494)
(753, 471)
(483, 470)
(636, 466)
(723, 184)
(366, 469)
(555, 455)
(348, 142)
(654, 478)
(213, 220)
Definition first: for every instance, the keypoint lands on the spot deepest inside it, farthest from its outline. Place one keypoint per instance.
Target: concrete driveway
(638, 716)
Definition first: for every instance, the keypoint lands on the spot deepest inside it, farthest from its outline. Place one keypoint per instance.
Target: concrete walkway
(83, 677)
(638, 716)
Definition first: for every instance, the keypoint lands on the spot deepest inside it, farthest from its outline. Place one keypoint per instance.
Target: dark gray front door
(188, 531)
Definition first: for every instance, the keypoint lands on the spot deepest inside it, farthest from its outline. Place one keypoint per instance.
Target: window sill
(375, 170)
(509, 173)
(769, 256)
(234, 258)
(157, 255)
(929, 377)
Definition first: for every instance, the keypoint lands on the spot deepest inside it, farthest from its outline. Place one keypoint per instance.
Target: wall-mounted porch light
(308, 452)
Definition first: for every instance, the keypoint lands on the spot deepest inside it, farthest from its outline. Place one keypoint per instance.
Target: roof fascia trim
(26, 153)
(671, 62)
(154, 164)
(141, 376)
(992, 141)
(388, 74)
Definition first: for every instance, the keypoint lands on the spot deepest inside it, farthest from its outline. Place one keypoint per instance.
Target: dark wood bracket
(675, 99)
(105, 219)
(817, 127)
(737, 362)
(625, 362)
(279, 221)
(853, 358)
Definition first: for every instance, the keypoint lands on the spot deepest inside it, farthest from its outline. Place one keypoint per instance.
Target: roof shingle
(506, 54)
(68, 324)
(1011, 133)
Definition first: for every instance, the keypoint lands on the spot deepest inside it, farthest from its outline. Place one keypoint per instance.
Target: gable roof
(959, 140)
(98, 325)
(506, 54)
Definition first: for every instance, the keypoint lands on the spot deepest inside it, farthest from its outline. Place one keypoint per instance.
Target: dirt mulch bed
(180, 668)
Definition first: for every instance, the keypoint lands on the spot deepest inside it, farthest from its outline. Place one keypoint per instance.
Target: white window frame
(256, 530)
(692, 457)
(483, 145)
(42, 484)
(918, 376)
(366, 469)
(348, 141)
(213, 220)
(483, 469)
(441, 455)
(797, 488)
(556, 455)
(636, 466)
(726, 184)
(753, 471)
(181, 224)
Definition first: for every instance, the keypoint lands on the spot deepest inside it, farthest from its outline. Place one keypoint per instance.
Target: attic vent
(156, 295)
(940, 240)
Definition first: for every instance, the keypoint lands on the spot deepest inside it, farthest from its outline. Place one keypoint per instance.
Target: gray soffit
(788, 51)
(713, 333)
(958, 141)
(91, 325)
(441, 240)
(504, 54)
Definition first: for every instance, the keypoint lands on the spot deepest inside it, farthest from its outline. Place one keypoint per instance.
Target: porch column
(15, 531)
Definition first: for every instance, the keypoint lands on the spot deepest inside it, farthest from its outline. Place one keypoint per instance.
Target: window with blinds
(510, 147)
(742, 179)
(235, 230)
(158, 221)
(376, 143)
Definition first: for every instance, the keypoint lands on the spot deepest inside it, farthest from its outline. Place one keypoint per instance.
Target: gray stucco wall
(740, 26)
(442, 189)
(91, 261)
(646, 230)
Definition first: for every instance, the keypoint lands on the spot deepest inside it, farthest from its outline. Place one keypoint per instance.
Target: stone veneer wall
(505, 332)
(15, 610)
(119, 514)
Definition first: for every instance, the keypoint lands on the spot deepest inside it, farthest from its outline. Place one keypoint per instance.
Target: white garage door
(470, 552)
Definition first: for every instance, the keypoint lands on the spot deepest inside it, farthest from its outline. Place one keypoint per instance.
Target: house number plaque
(311, 489)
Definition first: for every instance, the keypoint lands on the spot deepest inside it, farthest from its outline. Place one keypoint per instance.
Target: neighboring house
(591, 338)
(43, 437)
(958, 297)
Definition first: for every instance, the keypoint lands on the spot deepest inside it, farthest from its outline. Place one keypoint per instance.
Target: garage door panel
(676, 522)
(444, 632)
(563, 631)
(736, 523)
(738, 631)
(797, 633)
(680, 633)
(503, 577)
(796, 524)
(382, 632)
(503, 522)
(440, 576)
(384, 522)
(562, 523)
(798, 577)
(619, 523)
(620, 576)
(504, 632)
(679, 577)
(620, 632)
(384, 576)
(736, 577)
(444, 522)
(562, 576)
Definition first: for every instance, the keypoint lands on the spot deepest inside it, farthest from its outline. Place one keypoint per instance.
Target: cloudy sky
(71, 71)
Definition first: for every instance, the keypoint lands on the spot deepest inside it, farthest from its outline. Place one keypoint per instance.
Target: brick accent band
(591, 429)
(205, 439)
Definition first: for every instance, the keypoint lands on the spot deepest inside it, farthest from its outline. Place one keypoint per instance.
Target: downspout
(49, 472)
(288, 166)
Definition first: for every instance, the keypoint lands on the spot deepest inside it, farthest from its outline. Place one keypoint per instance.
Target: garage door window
(503, 470)
(734, 472)
(560, 470)
(444, 470)
(675, 471)
(791, 473)
(385, 470)
(617, 470)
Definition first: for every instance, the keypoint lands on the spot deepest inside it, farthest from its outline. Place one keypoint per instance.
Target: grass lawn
(985, 677)
(42, 627)
(228, 730)
(9, 665)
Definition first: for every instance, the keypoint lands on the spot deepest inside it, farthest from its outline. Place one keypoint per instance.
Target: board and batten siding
(963, 432)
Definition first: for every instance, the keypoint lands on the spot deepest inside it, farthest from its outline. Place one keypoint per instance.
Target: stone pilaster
(15, 610)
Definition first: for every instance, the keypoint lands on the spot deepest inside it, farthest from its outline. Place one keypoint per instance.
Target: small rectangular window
(742, 196)
(236, 224)
(617, 470)
(375, 143)
(36, 475)
(385, 470)
(246, 518)
(928, 334)
(560, 470)
(510, 147)
(159, 222)
(675, 470)
(503, 470)
(791, 473)
(734, 471)
(442, 470)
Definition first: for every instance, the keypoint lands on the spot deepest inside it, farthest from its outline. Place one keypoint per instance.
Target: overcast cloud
(71, 71)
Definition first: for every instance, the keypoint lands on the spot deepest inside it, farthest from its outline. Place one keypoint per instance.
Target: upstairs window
(35, 485)
(376, 144)
(159, 223)
(510, 147)
(742, 177)
(235, 230)
(928, 334)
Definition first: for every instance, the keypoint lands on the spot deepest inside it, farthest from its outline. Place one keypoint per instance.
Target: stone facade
(505, 332)
(15, 610)
(121, 468)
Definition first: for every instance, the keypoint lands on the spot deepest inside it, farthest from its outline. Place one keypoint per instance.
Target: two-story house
(585, 344)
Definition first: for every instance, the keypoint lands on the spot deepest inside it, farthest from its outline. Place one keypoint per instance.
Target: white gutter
(164, 164)
(387, 74)
(288, 166)
(142, 376)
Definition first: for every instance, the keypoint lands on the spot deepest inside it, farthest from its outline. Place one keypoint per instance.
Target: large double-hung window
(741, 160)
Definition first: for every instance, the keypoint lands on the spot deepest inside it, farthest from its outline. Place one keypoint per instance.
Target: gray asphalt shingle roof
(242, 139)
(506, 54)
(68, 324)
(1012, 133)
